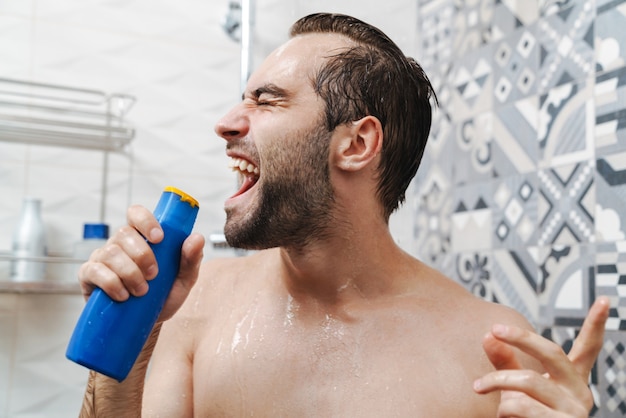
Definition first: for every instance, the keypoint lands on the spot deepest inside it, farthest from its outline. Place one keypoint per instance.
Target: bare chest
(382, 368)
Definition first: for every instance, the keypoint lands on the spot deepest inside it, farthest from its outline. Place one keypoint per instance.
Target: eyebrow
(271, 89)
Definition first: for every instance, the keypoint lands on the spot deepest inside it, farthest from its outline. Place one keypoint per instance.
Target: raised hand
(562, 391)
(125, 264)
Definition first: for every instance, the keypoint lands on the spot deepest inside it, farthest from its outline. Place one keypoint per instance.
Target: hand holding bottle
(126, 264)
(141, 276)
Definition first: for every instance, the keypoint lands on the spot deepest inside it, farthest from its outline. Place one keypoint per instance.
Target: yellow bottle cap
(183, 196)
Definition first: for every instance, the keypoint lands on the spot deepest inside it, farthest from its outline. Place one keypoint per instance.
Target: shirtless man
(330, 318)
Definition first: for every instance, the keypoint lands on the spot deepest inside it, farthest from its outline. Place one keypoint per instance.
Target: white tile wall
(175, 58)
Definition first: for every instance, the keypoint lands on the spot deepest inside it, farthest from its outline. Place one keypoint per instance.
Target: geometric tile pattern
(611, 197)
(437, 35)
(611, 281)
(566, 45)
(566, 124)
(515, 149)
(612, 375)
(472, 83)
(534, 97)
(473, 149)
(472, 218)
(472, 24)
(432, 222)
(515, 212)
(473, 269)
(566, 204)
(610, 112)
(564, 336)
(514, 280)
(516, 56)
(509, 16)
(566, 284)
(610, 133)
(610, 36)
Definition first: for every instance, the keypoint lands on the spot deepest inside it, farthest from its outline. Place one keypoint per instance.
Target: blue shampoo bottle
(109, 335)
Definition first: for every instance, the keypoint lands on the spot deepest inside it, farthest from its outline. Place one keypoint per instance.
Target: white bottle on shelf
(29, 244)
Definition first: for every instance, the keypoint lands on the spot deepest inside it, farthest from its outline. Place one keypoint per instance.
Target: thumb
(190, 259)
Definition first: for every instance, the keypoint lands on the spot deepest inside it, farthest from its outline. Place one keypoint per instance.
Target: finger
(134, 245)
(121, 267)
(500, 354)
(111, 268)
(94, 274)
(191, 258)
(548, 353)
(589, 342)
(534, 385)
(144, 221)
(514, 404)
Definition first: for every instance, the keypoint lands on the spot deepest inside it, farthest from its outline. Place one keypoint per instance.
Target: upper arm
(168, 388)
(169, 383)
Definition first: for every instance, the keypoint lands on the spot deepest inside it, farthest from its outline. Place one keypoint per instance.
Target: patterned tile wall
(530, 210)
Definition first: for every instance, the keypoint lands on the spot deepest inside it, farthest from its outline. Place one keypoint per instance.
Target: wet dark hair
(375, 78)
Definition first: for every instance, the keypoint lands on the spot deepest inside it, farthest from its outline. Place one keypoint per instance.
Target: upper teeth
(243, 165)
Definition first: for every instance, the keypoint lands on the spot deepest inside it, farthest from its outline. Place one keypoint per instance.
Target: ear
(358, 143)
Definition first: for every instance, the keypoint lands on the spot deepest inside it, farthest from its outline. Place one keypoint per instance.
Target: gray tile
(510, 16)
(516, 58)
(472, 22)
(610, 112)
(473, 149)
(473, 271)
(515, 274)
(472, 83)
(610, 36)
(515, 211)
(566, 43)
(566, 284)
(610, 224)
(566, 124)
(472, 217)
(611, 376)
(566, 206)
(610, 265)
(437, 31)
(515, 145)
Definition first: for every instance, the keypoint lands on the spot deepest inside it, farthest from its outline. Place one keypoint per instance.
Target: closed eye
(267, 95)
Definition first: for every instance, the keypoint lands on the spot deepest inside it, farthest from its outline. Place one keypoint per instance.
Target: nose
(233, 125)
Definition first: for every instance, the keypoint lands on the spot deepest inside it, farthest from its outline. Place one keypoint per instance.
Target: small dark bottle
(109, 335)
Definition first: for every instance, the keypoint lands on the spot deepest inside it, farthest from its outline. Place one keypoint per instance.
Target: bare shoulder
(224, 281)
(468, 317)
(460, 303)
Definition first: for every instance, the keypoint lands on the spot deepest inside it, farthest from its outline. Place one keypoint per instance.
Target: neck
(355, 263)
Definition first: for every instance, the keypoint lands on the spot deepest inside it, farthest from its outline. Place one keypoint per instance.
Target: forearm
(106, 397)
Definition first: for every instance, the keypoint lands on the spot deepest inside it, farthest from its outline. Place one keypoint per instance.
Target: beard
(295, 196)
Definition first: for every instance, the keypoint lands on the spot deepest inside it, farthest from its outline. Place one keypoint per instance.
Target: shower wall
(174, 57)
(521, 196)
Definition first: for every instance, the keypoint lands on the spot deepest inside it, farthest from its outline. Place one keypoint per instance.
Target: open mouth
(248, 174)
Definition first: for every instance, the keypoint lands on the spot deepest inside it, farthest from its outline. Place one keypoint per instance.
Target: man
(330, 317)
